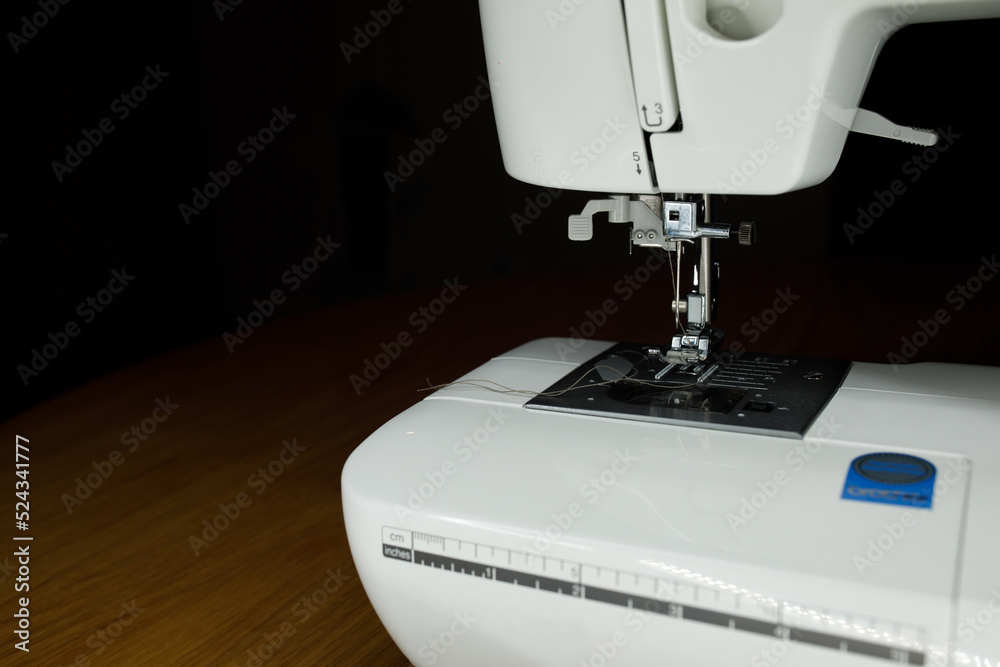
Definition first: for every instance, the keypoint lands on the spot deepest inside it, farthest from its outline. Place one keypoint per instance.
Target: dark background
(324, 176)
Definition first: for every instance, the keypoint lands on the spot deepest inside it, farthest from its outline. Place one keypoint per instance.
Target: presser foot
(693, 347)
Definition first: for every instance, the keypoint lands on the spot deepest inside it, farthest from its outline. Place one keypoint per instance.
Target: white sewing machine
(673, 504)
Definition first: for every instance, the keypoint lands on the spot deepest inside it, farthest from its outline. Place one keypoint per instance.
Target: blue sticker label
(890, 478)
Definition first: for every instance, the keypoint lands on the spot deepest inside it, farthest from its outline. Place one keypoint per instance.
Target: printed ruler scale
(679, 594)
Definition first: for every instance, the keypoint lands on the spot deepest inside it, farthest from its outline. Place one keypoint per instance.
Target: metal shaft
(705, 269)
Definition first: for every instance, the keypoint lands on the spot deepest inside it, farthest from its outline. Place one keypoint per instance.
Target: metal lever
(681, 221)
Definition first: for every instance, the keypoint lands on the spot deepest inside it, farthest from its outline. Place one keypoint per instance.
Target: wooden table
(187, 510)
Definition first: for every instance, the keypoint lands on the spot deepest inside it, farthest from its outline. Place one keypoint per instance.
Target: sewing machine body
(587, 95)
(690, 529)
(492, 534)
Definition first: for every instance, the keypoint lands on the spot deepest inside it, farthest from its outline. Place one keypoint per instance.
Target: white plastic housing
(649, 509)
(767, 89)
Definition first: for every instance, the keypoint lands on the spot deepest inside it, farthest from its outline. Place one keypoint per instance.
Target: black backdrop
(224, 71)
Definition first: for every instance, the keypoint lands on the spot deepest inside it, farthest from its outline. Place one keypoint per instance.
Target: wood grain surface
(126, 567)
